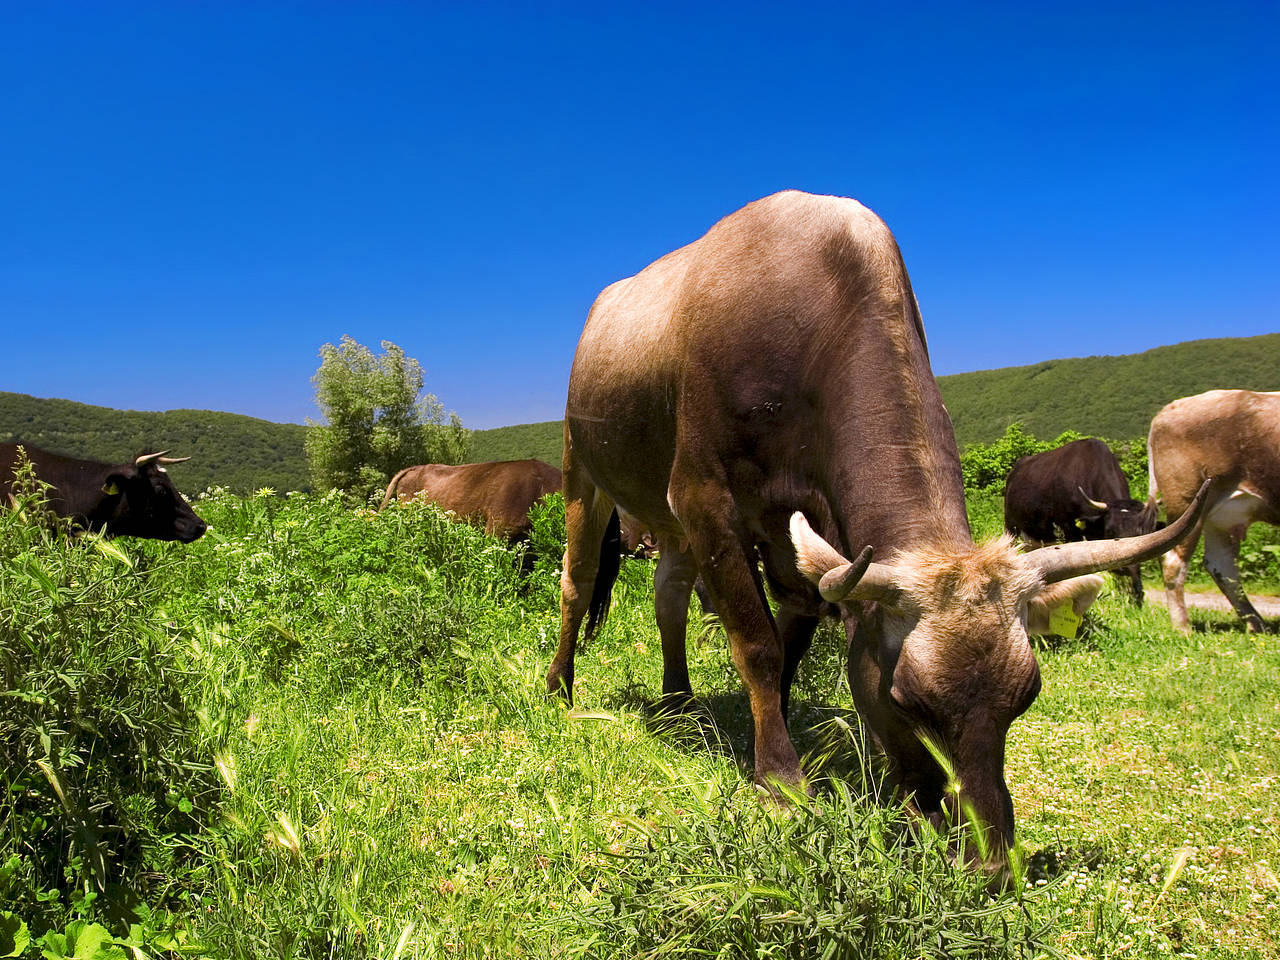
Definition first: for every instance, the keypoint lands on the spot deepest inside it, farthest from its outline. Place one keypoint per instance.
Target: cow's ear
(114, 485)
(1071, 598)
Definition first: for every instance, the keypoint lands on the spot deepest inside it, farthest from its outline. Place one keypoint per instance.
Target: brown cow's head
(940, 663)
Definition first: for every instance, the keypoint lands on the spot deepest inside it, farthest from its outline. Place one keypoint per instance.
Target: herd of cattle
(759, 408)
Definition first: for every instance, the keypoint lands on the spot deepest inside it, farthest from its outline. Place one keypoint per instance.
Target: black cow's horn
(1096, 504)
(146, 458)
(1066, 560)
(173, 459)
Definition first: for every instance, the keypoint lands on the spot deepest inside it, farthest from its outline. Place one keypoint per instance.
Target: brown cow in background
(498, 494)
(1234, 434)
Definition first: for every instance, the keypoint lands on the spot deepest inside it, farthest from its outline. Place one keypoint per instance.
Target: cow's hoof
(783, 795)
(675, 703)
(560, 686)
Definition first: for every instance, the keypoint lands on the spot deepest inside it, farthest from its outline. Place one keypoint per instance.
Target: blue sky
(195, 196)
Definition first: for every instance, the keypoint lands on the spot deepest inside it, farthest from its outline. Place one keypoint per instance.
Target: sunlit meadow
(345, 751)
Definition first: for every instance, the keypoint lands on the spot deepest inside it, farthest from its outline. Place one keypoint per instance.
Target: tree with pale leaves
(376, 420)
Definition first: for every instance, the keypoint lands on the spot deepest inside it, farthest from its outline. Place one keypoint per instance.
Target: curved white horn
(174, 459)
(146, 458)
(837, 578)
(1096, 504)
(1065, 560)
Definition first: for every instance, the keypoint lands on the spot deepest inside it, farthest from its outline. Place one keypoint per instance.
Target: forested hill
(1112, 397)
(227, 449)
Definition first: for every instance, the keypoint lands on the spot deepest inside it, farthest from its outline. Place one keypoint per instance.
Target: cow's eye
(903, 702)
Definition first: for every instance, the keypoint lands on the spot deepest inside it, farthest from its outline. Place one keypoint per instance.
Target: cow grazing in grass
(498, 494)
(761, 399)
(1076, 492)
(1234, 434)
(135, 499)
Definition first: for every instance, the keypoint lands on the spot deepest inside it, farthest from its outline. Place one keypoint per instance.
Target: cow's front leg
(727, 561)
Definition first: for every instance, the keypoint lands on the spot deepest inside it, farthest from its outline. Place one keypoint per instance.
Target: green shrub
(104, 776)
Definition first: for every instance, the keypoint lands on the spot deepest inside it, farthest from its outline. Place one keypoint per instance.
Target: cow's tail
(1153, 489)
(610, 564)
(392, 488)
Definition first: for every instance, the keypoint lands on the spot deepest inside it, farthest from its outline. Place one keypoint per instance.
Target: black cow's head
(1118, 518)
(139, 500)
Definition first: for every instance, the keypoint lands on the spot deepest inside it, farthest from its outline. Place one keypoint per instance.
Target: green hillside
(227, 449)
(1112, 397)
(541, 441)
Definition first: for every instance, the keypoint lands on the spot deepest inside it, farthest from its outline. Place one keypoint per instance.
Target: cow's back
(498, 494)
(762, 346)
(1233, 434)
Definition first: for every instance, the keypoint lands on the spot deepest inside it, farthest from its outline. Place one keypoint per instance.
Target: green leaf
(81, 941)
(576, 714)
(111, 551)
(14, 935)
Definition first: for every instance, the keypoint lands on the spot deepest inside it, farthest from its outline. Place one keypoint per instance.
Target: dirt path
(1214, 600)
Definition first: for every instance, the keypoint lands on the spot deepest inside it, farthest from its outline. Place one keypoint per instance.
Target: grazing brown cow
(136, 499)
(499, 493)
(1234, 434)
(777, 367)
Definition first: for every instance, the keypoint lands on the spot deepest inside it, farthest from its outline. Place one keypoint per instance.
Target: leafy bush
(987, 464)
(375, 421)
(104, 775)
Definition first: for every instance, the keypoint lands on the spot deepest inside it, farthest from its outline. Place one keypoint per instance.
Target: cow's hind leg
(673, 583)
(1221, 550)
(1173, 566)
(587, 516)
(796, 633)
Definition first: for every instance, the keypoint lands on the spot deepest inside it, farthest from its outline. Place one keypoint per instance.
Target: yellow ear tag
(1080, 524)
(1064, 621)
(111, 490)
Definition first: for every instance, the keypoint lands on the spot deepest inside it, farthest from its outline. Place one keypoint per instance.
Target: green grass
(365, 690)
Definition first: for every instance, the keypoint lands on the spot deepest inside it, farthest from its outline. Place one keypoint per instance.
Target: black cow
(1076, 492)
(132, 500)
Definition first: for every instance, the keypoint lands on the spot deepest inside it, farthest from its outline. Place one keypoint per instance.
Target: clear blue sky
(195, 196)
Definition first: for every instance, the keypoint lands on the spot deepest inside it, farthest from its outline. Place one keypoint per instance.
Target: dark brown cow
(1234, 434)
(777, 367)
(1076, 492)
(498, 494)
(125, 499)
